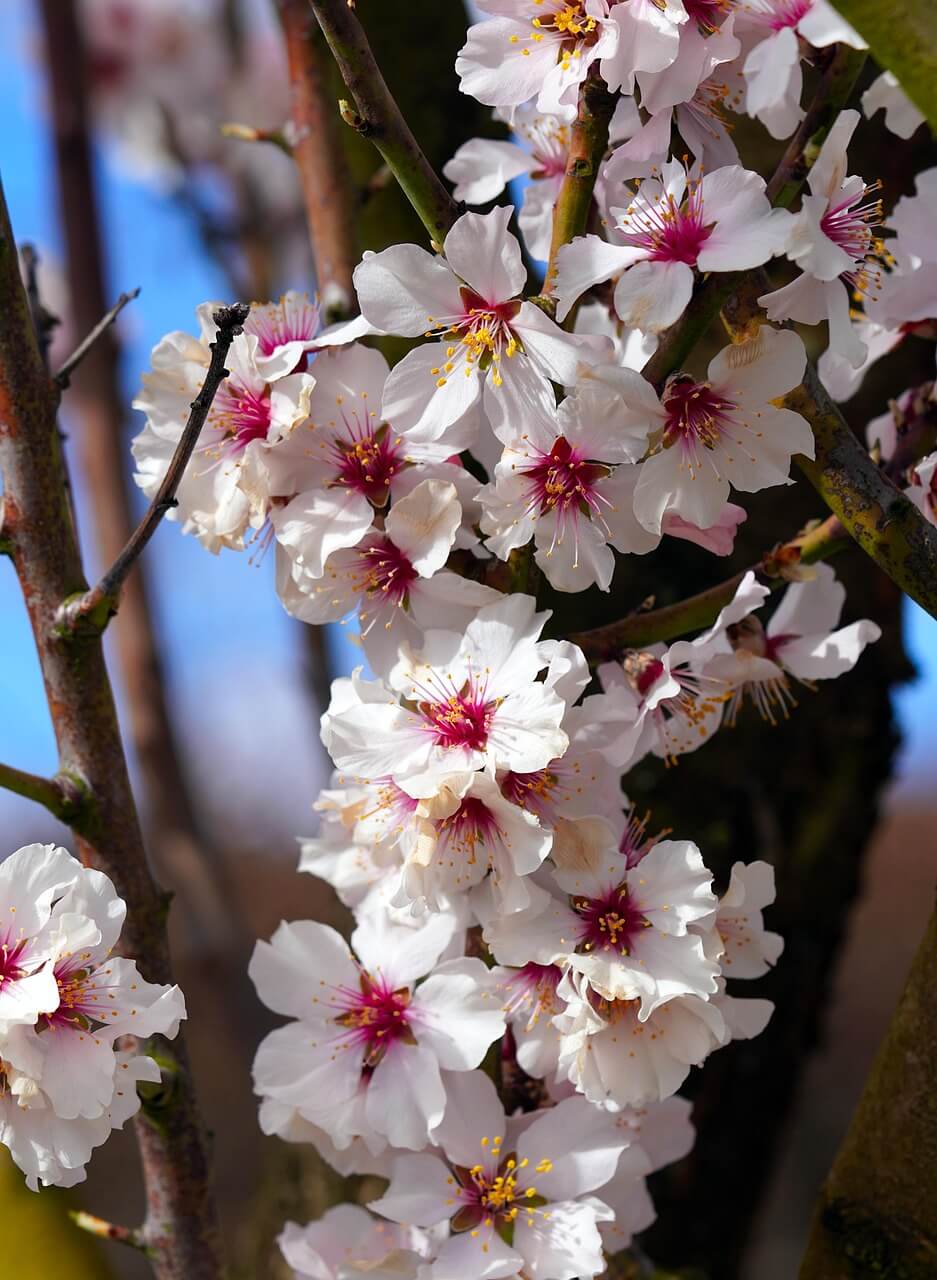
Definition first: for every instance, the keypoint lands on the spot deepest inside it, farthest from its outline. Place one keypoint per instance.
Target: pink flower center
(563, 481)
(279, 323)
(83, 995)
(708, 15)
(242, 413)
(462, 720)
(534, 792)
(11, 954)
(472, 828)
(779, 14)
(849, 225)
(667, 230)
(376, 1015)
(386, 573)
(697, 416)
(367, 461)
(609, 923)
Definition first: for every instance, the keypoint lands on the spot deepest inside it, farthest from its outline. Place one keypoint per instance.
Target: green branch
(377, 117)
(901, 37)
(62, 796)
(587, 147)
(700, 611)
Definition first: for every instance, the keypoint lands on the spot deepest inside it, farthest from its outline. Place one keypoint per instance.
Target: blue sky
(229, 648)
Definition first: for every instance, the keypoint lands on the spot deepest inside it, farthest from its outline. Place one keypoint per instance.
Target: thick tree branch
(320, 160)
(180, 1226)
(62, 375)
(701, 610)
(588, 144)
(92, 609)
(836, 85)
(378, 118)
(877, 1214)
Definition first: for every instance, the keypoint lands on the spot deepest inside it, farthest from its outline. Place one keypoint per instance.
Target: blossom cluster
(532, 971)
(65, 999)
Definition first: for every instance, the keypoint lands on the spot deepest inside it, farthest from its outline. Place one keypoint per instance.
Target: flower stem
(378, 118)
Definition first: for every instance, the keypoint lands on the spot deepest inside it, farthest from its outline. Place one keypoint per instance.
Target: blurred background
(220, 691)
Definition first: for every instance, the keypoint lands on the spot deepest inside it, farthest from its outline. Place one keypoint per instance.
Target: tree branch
(377, 117)
(883, 520)
(320, 160)
(836, 84)
(62, 376)
(62, 796)
(877, 1213)
(108, 1230)
(180, 1227)
(700, 611)
(94, 608)
(588, 144)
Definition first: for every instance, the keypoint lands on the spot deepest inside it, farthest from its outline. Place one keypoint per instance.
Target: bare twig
(180, 1228)
(109, 1231)
(328, 195)
(817, 542)
(378, 118)
(95, 607)
(62, 375)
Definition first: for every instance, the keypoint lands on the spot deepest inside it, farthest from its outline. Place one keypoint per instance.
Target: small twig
(94, 607)
(61, 795)
(697, 612)
(43, 319)
(109, 1231)
(378, 117)
(62, 376)
(248, 133)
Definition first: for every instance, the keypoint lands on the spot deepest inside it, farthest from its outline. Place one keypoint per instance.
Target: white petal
(486, 255)
(406, 290)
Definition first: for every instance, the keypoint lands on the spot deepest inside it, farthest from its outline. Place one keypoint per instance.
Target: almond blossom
(748, 949)
(623, 929)
(721, 221)
(347, 1240)
(831, 240)
(539, 49)
(395, 577)
(720, 434)
(364, 1057)
(463, 702)
(495, 351)
(227, 488)
(800, 643)
(560, 484)
(886, 94)
(497, 1180)
(772, 67)
(923, 488)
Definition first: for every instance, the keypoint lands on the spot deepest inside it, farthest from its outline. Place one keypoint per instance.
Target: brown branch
(877, 1214)
(93, 609)
(182, 850)
(701, 610)
(62, 375)
(378, 118)
(180, 1225)
(320, 159)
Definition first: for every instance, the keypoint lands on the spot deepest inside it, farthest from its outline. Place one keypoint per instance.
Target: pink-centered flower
(673, 224)
(373, 1029)
(493, 351)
